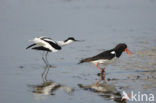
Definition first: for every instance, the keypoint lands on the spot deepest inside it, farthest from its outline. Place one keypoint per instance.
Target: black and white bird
(107, 57)
(47, 44)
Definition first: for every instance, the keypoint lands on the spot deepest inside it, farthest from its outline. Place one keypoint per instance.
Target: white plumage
(104, 62)
(43, 42)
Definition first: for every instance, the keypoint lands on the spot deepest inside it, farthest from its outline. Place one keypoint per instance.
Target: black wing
(104, 55)
(41, 48)
(30, 46)
(54, 44)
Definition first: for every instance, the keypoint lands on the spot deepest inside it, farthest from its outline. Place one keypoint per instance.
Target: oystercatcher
(107, 57)
(47, 44)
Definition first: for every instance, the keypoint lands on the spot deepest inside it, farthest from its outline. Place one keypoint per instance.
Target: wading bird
(107, 57)
(49, 45)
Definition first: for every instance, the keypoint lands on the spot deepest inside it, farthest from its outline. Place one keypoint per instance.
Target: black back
(104, 55)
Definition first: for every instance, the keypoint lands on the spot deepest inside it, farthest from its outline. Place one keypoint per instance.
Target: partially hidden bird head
(121, 48)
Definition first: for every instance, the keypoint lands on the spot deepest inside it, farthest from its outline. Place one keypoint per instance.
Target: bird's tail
(30, 46)
(84, 60)
(81, 61)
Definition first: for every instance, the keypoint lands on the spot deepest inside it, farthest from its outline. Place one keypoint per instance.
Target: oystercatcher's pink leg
(103, 70)
(97, 65)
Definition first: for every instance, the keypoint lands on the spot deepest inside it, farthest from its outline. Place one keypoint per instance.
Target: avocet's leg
(43, 58)
(46, 55)
(50, 66)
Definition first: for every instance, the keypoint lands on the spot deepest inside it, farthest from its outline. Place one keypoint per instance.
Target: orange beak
(128, 52)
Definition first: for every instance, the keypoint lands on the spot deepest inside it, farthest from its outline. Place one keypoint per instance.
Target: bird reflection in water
(103, 89)
(49, 86)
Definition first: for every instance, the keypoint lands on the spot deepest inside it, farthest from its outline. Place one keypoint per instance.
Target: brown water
(101, 23)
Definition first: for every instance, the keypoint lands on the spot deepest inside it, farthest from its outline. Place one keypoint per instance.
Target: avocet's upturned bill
(107, 57)
(49, 45)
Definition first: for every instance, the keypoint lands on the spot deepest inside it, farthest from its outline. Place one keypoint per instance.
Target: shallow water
(101, 23)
